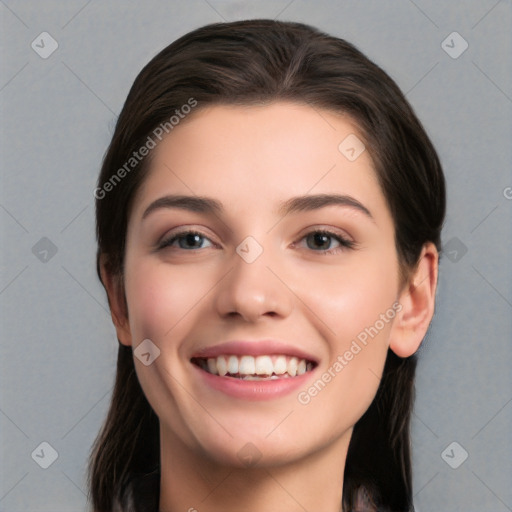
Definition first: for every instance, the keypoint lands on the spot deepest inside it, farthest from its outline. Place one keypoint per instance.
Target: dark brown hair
(257, 62)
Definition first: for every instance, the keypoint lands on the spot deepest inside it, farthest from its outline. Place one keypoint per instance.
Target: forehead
(248, 156)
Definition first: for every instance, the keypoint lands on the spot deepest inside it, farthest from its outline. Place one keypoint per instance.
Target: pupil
(321, 239)
(191, 238)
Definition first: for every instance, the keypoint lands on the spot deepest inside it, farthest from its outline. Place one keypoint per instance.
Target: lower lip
(253, 389)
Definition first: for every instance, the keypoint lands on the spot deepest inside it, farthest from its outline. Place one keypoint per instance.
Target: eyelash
(344, 242)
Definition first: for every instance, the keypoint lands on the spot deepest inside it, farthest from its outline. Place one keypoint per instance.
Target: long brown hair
(260, 61)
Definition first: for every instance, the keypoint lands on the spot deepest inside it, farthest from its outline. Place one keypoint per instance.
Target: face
(280, 269)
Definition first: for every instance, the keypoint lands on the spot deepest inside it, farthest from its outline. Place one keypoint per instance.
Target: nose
(253, 290)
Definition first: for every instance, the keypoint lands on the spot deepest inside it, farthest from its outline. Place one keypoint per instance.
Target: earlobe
(116, 300)
(418, 301)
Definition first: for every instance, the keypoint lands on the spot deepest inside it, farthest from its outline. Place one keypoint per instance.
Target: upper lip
(254, 348)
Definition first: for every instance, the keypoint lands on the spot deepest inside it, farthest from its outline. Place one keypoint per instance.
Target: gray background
(58, 347)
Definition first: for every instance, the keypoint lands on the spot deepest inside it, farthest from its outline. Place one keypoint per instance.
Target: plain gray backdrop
(58, 108)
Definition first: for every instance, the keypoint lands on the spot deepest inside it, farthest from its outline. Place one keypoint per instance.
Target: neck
(190, 481)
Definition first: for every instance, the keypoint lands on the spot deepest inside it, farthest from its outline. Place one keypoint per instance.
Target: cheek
(355, 306)
(161, 303)
(351, 298)
(160, 298)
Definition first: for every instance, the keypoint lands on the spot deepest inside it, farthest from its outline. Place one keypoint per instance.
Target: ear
(417, 300)
(116, 300)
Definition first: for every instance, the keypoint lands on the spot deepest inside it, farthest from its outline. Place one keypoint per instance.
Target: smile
(256, 368)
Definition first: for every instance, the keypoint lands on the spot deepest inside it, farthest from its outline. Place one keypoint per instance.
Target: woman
(268, 220)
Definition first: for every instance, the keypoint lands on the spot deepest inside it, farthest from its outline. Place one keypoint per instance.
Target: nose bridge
(250, 289)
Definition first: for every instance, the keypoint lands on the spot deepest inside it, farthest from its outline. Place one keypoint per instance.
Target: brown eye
(319, 240)
(322, 241)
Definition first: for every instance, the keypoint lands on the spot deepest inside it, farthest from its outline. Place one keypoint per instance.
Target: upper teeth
(260, 365)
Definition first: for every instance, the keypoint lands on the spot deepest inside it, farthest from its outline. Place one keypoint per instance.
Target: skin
(250, 159)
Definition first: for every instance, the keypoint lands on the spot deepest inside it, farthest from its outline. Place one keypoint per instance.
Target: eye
(322, 241)
(186, 240)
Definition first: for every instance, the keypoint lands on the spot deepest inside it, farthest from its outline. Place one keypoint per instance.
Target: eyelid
(326, 228)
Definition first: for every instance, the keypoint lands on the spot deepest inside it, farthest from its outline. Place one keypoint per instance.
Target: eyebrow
(208, 205)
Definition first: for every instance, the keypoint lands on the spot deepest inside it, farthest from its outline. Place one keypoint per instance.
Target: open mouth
(264, 367)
